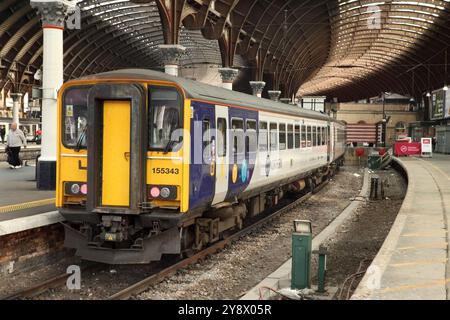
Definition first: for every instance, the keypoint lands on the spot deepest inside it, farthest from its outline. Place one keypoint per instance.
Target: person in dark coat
(2, 133)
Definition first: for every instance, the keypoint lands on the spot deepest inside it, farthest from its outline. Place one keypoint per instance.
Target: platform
(413, 261)
(19, 199)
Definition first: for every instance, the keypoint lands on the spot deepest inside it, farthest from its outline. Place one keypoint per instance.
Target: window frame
(237, 153)
(297, 136)
(282, 134)
(63, 117)
(290, 136)
(224, 140)
(276, 136)
(151, 114)
(261, 130)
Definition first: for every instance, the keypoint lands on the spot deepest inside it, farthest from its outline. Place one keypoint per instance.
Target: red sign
(407, 149)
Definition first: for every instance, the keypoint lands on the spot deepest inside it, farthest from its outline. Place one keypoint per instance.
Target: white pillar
(274, 95)
(257, 87)
(228, 76)
(16, 107)
(171, 54)
(52, 14)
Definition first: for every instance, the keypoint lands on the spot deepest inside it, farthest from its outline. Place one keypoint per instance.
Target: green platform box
(374, 162)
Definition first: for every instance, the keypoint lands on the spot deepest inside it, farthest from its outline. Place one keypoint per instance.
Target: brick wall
(31, 249)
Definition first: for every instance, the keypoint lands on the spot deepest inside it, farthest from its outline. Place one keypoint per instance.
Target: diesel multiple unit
(150, 164)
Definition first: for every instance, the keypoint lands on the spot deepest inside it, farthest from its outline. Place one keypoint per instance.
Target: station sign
(427, 147)
(407, 149)
(438, 105)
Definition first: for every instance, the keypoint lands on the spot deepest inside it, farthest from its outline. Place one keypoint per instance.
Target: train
(150, 165)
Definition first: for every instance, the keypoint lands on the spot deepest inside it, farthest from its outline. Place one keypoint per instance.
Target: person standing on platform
(2, 133)
(14, 142)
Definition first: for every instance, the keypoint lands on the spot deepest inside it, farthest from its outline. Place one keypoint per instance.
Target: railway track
(141, 286)
(44, 286)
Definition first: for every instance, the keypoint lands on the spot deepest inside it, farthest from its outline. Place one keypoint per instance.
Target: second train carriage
(150, 164)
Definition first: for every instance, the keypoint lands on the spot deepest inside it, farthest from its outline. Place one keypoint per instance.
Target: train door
(116, 148)
(116, 153)
(221, 153)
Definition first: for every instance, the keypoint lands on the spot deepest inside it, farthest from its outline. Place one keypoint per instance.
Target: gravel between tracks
(232, 272)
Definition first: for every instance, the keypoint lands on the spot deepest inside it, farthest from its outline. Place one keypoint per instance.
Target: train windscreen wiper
(80, 139)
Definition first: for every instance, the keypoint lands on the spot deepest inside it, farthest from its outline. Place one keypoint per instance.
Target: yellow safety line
(435, 245)
(423, 285)
(26, 205)
(418, 263)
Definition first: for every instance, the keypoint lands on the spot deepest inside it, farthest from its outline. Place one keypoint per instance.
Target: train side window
(263, 136)
(318, 136)
(314, 136)
(309, 137)
(237, 126)
(207, 141)
(303, 145)
(251, 141)
(282, 136)
(297, 137)
(273, 136)
(222, 140)
(290, 136)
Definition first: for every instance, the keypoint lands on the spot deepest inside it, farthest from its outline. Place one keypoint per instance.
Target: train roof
(201, 91)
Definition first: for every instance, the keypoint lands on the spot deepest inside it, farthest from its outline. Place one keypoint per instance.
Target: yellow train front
(128, 181)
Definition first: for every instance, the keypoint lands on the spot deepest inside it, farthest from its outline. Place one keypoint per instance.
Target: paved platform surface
(19, 196)
(413, 262)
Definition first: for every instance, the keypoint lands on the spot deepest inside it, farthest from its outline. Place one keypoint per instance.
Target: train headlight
(83, 189)
(165, 193)
(162, 192)
(75, 188)
(155, 192)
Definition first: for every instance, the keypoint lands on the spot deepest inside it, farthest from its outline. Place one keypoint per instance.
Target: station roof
(348, 49)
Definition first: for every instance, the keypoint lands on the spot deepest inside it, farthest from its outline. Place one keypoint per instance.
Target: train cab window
(237, 130)
(273, 136)
(221, 137)
(263, 135)
(290, 137)
(282, 136)
(75, 118)
(297, 137)
(251, 138)
(309, 143)
(165, 108)
(303, 145)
